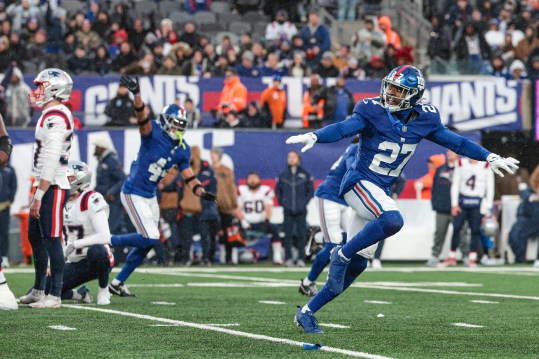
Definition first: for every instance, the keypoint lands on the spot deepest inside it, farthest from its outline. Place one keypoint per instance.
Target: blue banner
(468, 105)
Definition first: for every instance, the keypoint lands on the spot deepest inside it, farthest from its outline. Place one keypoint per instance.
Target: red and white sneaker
(449, 262)
(472, 263)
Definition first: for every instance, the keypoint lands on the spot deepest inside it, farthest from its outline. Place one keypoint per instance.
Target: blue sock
(389, 223)
(320, 262)
(57, 262)
(132, 240)
(41, 259)
(133, 260)
(325, 295)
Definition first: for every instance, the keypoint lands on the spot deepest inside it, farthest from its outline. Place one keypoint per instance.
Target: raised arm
(144, 123)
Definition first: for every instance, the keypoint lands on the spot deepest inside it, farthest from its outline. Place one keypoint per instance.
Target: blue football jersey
(157, 154)
(329, 189)
(388, 140)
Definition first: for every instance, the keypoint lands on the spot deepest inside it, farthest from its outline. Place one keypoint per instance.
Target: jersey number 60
(396, 149)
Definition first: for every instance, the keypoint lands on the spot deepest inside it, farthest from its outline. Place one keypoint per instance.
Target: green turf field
(399, 312)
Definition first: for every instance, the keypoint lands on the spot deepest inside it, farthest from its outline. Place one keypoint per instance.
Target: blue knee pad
(391, 221)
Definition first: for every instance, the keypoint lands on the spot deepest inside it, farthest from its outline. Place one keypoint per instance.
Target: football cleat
(300, 263)
(307, 321)
(449, 262)
(472, 263)
(433, 262)
(308, 290)
(120, 290)
(84, 291)
(46, 302)
(32, 297)
(7, 299)
(337, 271)
(103, 296)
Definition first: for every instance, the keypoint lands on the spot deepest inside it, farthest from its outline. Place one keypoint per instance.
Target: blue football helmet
(173, 120)
(408, 82)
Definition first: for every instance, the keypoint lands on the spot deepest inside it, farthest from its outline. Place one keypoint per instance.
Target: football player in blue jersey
(162, 146)
(391, 126)
(334, 216)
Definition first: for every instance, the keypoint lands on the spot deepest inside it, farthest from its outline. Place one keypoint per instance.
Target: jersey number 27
(396, 149)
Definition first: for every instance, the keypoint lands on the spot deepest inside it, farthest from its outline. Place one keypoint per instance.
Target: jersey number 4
(396, 149)
(157, 170)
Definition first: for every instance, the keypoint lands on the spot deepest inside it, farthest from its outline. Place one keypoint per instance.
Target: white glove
(508, 164)
(308, 139)
(70, 248)
(245, 224)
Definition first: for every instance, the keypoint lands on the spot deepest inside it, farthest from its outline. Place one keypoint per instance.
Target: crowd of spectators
(491, 37)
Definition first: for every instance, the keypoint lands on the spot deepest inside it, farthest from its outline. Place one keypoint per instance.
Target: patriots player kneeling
(162, 146)
(391, 126)
(86, 232)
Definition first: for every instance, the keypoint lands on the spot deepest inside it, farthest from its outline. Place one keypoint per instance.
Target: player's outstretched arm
(456, 143)
(144, 123)
(5, 144)
(192, 181)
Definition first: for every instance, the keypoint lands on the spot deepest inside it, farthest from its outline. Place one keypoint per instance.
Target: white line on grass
(270, 302)
(331, 325)
(242, 284)
(169, 285)
(163, 303)
(376, 302)
(439, 291)
(227, 331)
(483, 301)
(61, 327)
(213, 325)
(466, 325)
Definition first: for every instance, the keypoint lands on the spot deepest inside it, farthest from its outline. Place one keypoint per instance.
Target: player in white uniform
(54, 132)
(87, 235)
(472, 197)
(255, 207)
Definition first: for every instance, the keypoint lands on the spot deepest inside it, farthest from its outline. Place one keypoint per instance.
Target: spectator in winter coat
(18, 110)
(368, 41)
(326, 68)
(316, 38)
(392, 37)
(294, 190)
(233, 95)
(273, 100)
(338, 102)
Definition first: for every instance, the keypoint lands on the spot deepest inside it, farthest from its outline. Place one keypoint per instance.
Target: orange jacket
(392, 37)
(235, 94)
(309, 113)
(275, 99)
(427, 180)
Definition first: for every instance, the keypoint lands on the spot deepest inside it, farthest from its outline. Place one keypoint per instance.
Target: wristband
(143, 122)
(187, 180)
(5, 145)
(39, 194)
(140, 109)
(197, 186)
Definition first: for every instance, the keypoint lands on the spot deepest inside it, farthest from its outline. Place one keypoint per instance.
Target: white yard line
(440, 291)
(61, 327)
(376, 302)
(466, 325)
(170, 285)
(241, 285)
(331, 325)
(226, 331)
(163, 303)
(270, 302)
(483, 301)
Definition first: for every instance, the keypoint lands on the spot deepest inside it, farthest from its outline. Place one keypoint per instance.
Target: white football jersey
(472, 179)
(253, 203)
(78, 220)
(54, 133)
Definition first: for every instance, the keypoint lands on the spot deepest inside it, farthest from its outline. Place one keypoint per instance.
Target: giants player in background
(162, 146)
(391, 126)
(472, 197)
(255, 207)
(7, 299)
(54, 132)
(334, 217)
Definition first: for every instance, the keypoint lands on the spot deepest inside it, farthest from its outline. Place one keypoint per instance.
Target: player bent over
(391, 126)
(162, 146)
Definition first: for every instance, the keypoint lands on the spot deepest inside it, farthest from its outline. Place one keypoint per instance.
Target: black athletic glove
(209, 196)
(131, 84)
